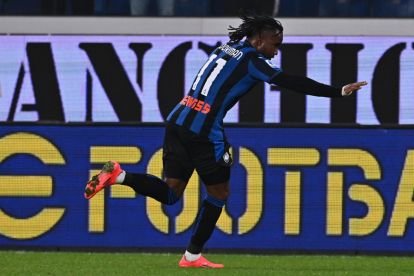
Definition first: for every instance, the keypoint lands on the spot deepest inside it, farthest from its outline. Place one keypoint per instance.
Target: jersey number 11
(213, 74)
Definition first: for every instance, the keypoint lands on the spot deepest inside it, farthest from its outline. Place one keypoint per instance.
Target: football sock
(207, 217)
(120, 178)
(191, 257)
(152, 186)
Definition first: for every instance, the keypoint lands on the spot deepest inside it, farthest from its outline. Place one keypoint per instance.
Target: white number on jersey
(220, 64)
(213, 75)
(212, 57)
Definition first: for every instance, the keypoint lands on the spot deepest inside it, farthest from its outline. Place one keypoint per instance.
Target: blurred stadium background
(82, 82)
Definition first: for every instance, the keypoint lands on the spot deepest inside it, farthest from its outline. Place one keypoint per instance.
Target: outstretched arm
(308, 86)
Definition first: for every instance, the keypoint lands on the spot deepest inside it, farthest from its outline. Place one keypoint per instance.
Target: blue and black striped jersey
(229, 73)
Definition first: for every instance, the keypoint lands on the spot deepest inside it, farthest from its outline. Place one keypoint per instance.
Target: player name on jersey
(231, 51)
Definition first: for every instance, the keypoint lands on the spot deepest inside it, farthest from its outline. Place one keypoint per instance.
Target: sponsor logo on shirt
(196, 104)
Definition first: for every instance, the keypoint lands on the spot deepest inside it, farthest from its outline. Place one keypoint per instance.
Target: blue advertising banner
(339, 189)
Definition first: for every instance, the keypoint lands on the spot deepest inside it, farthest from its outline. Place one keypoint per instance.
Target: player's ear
(259, 42)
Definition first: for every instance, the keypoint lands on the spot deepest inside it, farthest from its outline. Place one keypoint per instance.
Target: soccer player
(194, 135)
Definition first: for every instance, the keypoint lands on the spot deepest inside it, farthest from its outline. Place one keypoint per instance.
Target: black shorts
(184, 151)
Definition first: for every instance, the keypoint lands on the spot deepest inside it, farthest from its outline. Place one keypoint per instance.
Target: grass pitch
(73, 263)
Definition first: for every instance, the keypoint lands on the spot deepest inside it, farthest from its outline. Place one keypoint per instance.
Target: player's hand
(349, 88)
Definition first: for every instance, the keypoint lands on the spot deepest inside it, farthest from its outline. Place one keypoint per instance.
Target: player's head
(264, 33)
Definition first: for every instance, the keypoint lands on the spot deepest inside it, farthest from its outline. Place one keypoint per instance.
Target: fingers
(362, 83)
(357, 85)
(348, 89)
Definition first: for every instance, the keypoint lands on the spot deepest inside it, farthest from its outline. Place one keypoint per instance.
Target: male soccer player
(194, 136)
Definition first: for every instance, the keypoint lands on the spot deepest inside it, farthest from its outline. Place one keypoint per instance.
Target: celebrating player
(194, 135)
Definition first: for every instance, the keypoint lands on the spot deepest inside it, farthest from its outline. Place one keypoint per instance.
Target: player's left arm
(263, 69)
(311, 87)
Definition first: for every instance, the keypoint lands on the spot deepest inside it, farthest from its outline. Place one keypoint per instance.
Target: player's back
(223, 79)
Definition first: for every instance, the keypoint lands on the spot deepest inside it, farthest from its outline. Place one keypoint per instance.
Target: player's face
(269, 43)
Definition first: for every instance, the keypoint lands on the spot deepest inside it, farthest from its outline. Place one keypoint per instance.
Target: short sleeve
(262, 69)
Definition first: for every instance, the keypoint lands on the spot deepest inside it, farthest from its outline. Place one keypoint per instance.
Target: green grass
(73, 263)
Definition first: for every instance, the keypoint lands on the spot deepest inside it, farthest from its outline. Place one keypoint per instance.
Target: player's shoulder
(258, 57)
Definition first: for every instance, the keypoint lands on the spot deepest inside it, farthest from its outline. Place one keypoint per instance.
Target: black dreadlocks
(254, 24)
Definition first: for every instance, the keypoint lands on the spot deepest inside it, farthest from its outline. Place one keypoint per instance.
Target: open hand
(349, 88)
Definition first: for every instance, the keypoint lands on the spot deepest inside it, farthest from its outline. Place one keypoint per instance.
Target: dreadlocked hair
(254, 24)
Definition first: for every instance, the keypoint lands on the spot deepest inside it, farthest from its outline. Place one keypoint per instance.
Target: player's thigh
(176, 160)
(212, 162)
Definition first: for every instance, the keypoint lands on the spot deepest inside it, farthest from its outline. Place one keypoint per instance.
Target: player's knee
(172, 197)
(224, 195)
(221, 191)
(177, 186)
